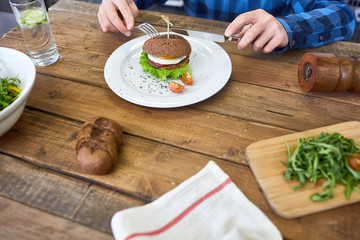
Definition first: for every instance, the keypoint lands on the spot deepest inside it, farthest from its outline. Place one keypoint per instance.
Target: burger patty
(169, 66)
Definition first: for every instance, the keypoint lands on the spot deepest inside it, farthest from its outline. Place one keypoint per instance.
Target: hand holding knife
(205, 35)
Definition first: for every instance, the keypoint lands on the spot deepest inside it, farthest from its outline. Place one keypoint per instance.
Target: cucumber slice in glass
(31, 17)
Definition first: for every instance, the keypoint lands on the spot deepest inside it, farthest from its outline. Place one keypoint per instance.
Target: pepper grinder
(324, 72)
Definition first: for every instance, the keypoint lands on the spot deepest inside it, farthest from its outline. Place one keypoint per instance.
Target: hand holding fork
(117, 16)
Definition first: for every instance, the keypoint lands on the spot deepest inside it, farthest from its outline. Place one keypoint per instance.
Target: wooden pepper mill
(322, 72)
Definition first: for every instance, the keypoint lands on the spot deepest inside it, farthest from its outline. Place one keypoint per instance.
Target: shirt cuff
(292, 42)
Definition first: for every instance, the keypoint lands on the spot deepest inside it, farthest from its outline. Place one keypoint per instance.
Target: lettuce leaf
(162, 73)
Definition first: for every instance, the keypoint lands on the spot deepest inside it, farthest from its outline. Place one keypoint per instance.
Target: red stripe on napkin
(183, 214)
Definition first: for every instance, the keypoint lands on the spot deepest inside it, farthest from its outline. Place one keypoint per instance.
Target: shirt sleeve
(315, 23)
(144, 4)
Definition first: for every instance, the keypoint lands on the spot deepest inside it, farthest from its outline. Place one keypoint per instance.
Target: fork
(148, 29)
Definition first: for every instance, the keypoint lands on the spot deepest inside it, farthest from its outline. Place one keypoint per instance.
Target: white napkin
(207, 206)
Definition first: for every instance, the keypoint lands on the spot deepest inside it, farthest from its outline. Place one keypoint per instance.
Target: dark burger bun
(175, 46)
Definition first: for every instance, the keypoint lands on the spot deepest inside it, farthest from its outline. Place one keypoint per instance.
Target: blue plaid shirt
(309, 23)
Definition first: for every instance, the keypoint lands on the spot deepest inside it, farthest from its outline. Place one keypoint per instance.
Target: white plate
(210, 68)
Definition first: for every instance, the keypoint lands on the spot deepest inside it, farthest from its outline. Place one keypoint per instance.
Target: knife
(205, 35)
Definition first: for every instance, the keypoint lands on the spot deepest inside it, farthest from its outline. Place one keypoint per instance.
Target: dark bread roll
(175, 46)
(98, 145)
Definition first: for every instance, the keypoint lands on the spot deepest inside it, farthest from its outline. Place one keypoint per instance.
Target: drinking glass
(34, 22)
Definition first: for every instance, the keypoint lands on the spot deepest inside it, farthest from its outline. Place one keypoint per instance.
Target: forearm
(321, 23)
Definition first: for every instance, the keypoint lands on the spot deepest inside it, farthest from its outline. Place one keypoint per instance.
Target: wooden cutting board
(265, 158)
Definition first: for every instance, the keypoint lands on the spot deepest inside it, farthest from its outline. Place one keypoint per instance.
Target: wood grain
(162, 147)
(18, 221)
(98, 204)
(265, 159)
(145, 169)
(78, 37)
(72, 199)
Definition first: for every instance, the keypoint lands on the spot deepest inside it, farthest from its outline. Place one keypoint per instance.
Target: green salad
(329, 156)
(9, 91)
(162, 73)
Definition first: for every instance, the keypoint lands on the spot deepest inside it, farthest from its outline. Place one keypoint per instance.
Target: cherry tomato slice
(354, 162)
(187, 79)
(175, 87)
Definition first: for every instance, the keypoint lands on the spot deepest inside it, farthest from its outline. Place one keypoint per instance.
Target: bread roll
(98, 145)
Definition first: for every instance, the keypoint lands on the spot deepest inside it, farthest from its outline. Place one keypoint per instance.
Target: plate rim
(182, 100)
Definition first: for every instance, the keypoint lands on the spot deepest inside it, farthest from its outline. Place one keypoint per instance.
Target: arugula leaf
(323, 157)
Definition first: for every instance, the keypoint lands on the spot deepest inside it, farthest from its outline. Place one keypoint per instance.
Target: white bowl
(14, 63)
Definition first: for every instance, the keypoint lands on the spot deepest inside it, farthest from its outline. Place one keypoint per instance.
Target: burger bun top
(175, 46)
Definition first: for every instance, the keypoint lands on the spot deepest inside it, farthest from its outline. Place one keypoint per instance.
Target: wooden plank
(265, 159)
(249, 102)
(266, 105)
(82, 22)
(77, 39)
(242, 101)
(248, 69)
(77, 7)
(100, 205)
(18, 221)
(188, 128)
(145, 168)
(66, 35)
(91, 9)
(67, 6)
(65, 197)
(155, 157)
(85, 18)
(273, 107)
(269, 73)
(37, 188)
(103, 203)
(245, 69)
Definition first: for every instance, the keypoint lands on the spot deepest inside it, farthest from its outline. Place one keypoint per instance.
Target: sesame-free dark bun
(175, 46)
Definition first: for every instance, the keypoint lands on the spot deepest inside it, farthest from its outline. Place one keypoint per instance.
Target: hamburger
(163, 56)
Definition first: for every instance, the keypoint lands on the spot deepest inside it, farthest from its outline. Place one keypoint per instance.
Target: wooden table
(45, 195)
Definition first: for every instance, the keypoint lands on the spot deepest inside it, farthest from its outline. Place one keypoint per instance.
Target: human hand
(260, 29)
(117, 16)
